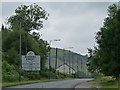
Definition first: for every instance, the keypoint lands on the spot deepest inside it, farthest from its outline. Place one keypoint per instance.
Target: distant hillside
(78, 59)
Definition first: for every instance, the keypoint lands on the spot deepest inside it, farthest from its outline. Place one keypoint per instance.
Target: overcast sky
(75, 23)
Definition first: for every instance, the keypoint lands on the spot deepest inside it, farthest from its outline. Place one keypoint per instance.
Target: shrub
(8, 72)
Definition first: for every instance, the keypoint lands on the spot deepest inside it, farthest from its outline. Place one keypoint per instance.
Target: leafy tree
(105, 56)
(26, 19)
(29, 17)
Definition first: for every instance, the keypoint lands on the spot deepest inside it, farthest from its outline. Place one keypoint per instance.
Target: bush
(8, 72)
(30, 75)
(46, 74)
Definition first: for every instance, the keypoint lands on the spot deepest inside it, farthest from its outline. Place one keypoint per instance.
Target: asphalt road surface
(54, 84)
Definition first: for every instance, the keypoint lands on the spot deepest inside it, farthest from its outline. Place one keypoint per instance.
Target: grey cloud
(68, 8)
(73, 22)
(9, 7)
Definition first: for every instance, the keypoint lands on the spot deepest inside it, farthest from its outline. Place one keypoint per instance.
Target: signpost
(31, 62)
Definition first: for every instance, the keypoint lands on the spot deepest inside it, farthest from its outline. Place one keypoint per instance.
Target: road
(54, 84)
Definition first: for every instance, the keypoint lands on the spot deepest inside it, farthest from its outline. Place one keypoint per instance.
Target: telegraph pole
(81, 65)
(69, 61)
(64, 59)
(56, 63)
(77, 66)
(20, 55)
(49, 59)
(118, 47)
(72, 62)
(56, 59)
(49, 64)
(118, 81)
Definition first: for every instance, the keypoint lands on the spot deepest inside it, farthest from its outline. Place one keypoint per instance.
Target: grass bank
(107, 82)
(7, 84)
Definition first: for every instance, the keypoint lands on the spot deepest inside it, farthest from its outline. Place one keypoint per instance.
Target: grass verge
(7, 84)
(108, 82)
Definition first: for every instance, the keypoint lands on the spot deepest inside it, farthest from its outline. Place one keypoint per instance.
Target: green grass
(109, 82)
(6, 84)
(106, 82)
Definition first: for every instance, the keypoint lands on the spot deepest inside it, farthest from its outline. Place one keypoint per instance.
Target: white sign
(31, 62)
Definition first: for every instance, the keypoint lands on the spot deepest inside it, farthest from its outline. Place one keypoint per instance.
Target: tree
(26, 19)
(105, 56)
(30, 17)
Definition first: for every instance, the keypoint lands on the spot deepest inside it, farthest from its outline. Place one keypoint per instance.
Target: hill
(75, 59)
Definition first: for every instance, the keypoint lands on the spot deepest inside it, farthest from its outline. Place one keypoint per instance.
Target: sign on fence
(31, 62)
